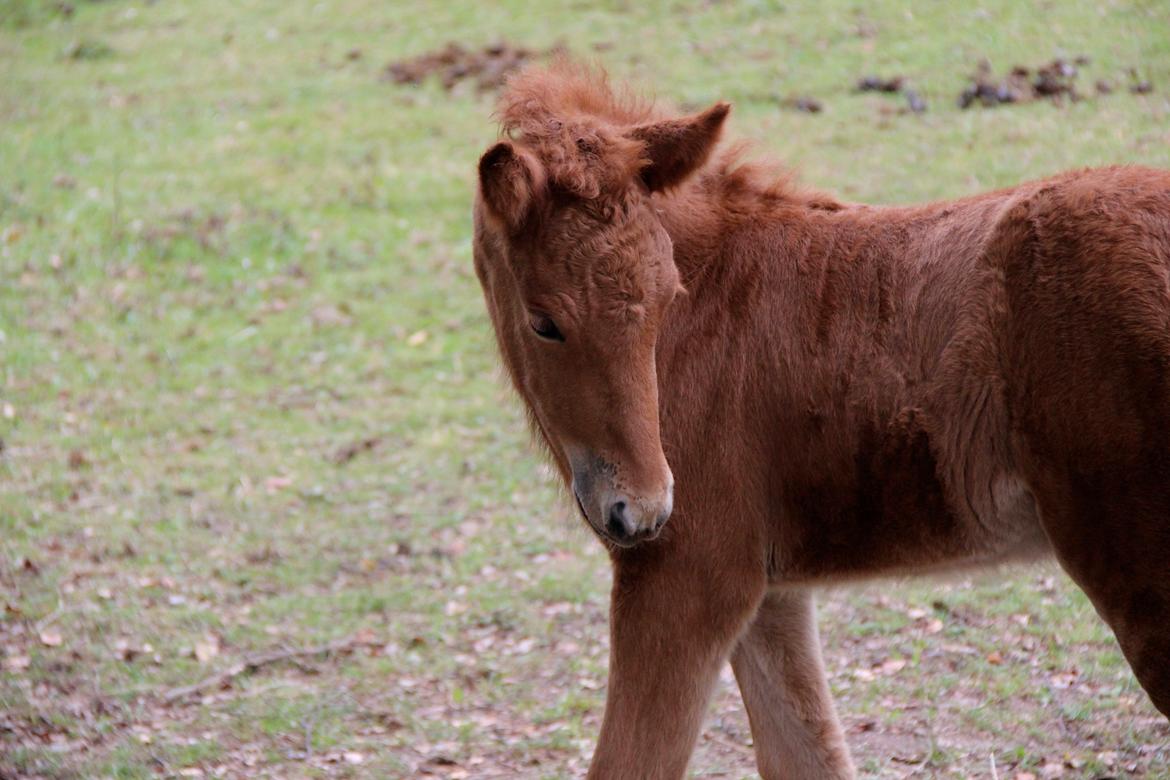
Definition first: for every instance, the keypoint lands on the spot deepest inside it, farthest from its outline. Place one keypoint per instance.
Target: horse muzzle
(618, 517)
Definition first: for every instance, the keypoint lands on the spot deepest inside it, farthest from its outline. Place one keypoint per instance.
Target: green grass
(230, 250)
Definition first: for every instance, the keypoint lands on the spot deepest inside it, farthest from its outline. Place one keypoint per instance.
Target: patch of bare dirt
(488, 67)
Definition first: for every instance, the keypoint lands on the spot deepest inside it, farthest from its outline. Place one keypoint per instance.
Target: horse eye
(544, 327)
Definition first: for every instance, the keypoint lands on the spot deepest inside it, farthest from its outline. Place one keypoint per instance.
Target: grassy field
(249, 402)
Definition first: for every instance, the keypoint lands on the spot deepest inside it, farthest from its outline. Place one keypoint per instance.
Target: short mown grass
(249, 398)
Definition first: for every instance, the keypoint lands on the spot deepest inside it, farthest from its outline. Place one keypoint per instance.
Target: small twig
(161, 763)
(48, 619)
(305, 667)
(307, 725)
(255, 662)
(116, 216)
(994, 771)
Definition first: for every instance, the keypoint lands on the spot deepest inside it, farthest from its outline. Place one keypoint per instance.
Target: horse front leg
(673, 622)
(782, 679)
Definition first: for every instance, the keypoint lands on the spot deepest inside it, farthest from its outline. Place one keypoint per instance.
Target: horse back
(1086, 337)
(1028, 340)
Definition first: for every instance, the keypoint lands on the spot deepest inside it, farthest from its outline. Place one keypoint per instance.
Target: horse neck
(695, 225)
(732, 267)
(728, 263)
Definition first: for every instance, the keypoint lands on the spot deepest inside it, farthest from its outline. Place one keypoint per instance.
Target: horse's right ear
(676, 148)
(510, 181)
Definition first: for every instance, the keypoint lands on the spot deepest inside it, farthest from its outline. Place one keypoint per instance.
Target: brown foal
(813, 391)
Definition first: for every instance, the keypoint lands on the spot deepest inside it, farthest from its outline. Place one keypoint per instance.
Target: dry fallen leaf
(51, 638)
(124, 651)
(207, 649)
(417, 339)
(16, 663)
(330, 316)
(1052, 769)
(273, 484)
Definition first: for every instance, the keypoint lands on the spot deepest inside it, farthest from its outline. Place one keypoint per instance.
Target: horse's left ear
(510, 181)
(676, 148)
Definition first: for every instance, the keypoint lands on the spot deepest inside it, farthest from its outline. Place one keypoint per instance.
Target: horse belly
(892, 513)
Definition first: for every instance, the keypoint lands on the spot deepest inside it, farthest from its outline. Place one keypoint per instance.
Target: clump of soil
(804, 103)
(879, 84)
(914, 102)
(894, 85)
(488, 66)
(1137, 86)
(1055, 80)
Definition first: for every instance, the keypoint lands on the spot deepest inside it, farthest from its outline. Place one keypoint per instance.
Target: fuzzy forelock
(575, 122)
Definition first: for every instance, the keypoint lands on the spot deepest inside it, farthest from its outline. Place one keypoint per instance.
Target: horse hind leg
(1143, 630)
(782, 679)
(1117, 549)
(1139, 615)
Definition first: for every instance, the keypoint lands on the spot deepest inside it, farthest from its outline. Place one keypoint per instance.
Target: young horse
(813, 391)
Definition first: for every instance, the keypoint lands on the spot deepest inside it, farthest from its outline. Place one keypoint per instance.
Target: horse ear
(509, 182)
(676, 148)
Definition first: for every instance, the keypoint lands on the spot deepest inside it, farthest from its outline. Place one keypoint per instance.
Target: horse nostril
(616, 524)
